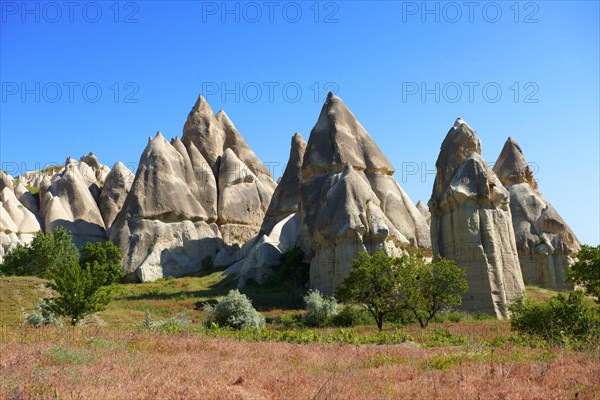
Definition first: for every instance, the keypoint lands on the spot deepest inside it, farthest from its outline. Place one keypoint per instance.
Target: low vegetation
(234, 311)
(164, 339)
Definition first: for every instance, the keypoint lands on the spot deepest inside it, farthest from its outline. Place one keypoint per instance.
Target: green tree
(373, 282)
(429, 287)
(81, 291)
(586, 271)
(45, 251)
(107, 256)
(293, 268)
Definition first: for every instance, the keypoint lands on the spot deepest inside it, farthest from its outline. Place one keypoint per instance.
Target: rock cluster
(209, 195)
(201, 196)
(69, 196)
(18, 210)
(545, 243)
(471, 223)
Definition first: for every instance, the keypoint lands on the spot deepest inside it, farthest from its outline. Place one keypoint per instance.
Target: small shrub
(235, 311)
(147, 322)
(43, 315)
(350, 316)
(442, 337)
(455, 317)
(561, 320)
(318, 308)
(175, 324)
(291, 320)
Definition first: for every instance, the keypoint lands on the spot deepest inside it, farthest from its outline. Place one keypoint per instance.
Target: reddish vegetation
(117, 365)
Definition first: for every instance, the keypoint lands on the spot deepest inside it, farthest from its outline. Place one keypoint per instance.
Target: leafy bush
(235, 311)
(350, 316)
(318, 308)
(293, 268)
(107, 256)
(586, 271)
(43, 315)
(561, 320)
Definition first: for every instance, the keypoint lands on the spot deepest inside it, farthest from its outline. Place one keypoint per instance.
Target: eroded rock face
(243, 200)
(471, 223)
(66, 201)
(349, 201)
(281, 224)
(424, 211)
(287, 193)
(545, 243)
(116, 187)
(265, 254)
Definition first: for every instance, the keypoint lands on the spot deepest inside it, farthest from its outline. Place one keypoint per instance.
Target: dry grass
(120, 361)
(108, 364)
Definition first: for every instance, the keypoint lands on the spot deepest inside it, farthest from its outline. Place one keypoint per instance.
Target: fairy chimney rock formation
(349, 201)
(545, 243)
(471, 223)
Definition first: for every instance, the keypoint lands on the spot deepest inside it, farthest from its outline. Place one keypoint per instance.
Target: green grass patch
(60, 355)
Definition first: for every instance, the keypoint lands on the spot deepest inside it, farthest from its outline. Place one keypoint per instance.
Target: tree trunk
(379, 321)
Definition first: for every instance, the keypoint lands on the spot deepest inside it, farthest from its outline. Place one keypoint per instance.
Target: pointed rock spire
(511, 166)
(203, 129)
(338, 138)
(460, 142)
(287, 193)
(545, 243)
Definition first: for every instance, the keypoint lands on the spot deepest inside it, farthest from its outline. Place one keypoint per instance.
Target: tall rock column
(545, 243)
(471, 223)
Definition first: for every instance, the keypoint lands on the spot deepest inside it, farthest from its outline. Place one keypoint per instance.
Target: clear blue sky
(378, 56)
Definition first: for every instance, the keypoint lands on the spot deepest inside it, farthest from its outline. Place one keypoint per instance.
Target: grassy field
(111, 357)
